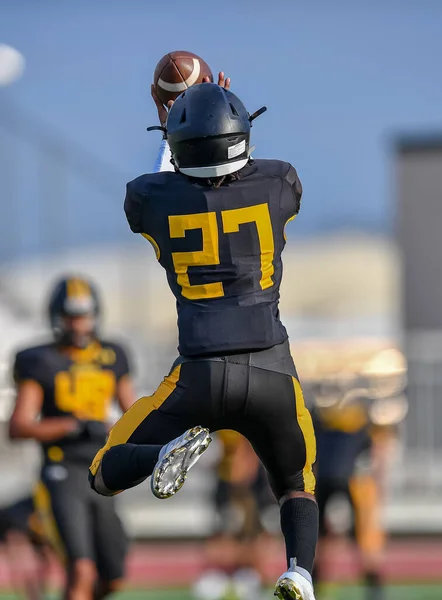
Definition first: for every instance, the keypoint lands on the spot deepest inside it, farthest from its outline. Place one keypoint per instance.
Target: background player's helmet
(208, 130)
(73, 297)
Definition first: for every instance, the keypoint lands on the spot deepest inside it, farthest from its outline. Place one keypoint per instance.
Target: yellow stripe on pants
(129, 422)
(43, 507)
(306, 425)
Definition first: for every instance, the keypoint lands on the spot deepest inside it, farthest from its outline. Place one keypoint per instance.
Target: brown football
(176, 72)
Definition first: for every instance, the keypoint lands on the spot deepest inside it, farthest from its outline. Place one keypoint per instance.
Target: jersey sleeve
(133, 207)
(293, 193)
(162, 162)
(26, 367)
(122, 363)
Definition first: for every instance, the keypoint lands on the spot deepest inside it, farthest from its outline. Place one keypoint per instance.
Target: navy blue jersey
(221, 248)
(80, 384)
(342, 435)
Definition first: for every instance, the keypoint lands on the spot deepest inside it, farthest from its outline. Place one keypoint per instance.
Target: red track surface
(152, 565)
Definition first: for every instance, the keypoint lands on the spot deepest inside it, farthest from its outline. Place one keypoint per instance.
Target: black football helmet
(208, 130)
(73, 297)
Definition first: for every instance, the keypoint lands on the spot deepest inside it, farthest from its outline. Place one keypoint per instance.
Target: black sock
(299, 524)
(374, 586)
(127, 465)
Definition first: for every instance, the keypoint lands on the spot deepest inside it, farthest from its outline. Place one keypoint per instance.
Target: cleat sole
(286, 589)
(169, 476)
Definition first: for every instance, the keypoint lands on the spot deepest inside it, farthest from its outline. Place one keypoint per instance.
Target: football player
(64, 395)
(352, 453)
(217, 226)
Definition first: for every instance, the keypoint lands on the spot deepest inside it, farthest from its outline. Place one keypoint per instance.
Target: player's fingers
(206, 79)
(169, 104)
(227, 84)
(221, 81)
(154, 95)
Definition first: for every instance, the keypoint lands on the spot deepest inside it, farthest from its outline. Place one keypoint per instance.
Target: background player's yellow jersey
(80, 383)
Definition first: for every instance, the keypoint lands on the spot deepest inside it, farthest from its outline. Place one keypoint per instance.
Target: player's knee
(296, 494)
(97, 484)
(299, 484)
(83, 573)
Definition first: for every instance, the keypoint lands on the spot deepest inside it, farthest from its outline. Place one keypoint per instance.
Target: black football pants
(256, 394)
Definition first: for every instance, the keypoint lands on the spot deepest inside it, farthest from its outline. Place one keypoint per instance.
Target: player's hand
(222, 80)
(162, 110)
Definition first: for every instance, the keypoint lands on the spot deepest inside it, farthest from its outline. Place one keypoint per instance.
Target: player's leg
(23, 565)
(246, 482)
(370, 537)
(280, 428)
(22, 549)
(233, 566)
(62, 508)
(111, 545)
(140, 442)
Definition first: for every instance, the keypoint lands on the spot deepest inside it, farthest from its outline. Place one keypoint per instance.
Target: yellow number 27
(209, 255)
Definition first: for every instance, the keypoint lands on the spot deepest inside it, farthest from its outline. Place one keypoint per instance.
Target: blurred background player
(25, 549)
(234, 554)
(353, 453)
(64, 393)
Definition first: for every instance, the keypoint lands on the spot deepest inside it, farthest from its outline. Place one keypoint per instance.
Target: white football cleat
(176, 459)
(294, 586)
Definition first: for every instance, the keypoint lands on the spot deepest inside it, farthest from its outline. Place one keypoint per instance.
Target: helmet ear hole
(183, 117)
(233, 109)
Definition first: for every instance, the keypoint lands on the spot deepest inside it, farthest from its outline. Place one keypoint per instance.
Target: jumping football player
(70, 384)
(233, 556)
(217, 226)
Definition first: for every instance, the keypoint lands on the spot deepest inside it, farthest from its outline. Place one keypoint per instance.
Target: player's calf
(176, 459)
(299, 524)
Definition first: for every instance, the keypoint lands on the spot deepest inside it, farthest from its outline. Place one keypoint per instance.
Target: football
(176, 72)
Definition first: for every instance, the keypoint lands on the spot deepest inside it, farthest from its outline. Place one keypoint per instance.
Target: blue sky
(339, 79)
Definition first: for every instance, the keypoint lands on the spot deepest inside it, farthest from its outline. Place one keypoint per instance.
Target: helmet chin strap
(158, 128)
(257, 113)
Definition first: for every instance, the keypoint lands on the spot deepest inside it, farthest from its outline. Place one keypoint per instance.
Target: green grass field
(424, 592)
(399, 592)
(348, 593)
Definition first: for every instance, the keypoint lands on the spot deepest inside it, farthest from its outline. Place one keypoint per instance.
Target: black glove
(88, 431)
